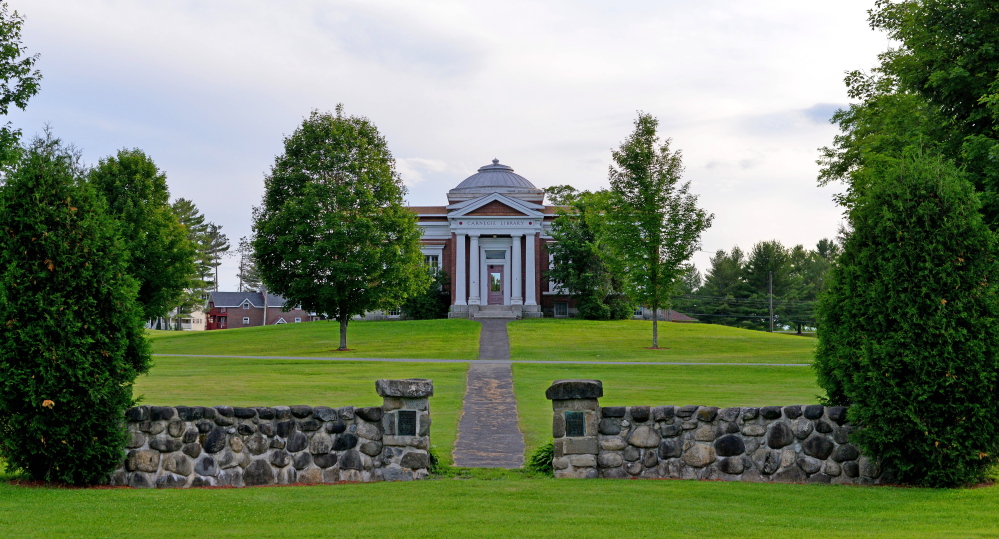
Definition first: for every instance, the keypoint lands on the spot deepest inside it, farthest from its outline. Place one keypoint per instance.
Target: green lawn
(416, 339)
(507, 507)
(267, 382)
(654, 385)
(628, 340)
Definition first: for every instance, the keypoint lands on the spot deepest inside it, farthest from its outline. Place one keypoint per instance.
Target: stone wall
(791, 444)
(193, 446)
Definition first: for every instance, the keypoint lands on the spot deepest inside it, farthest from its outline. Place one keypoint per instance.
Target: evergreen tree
(249, 276)
(160, 256)
(71, 337)
(654, 225)
(214, 246)
(331, 233)
(908, 332)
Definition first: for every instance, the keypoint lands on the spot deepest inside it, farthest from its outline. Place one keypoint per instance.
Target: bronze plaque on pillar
(407, 423)
(575, 424)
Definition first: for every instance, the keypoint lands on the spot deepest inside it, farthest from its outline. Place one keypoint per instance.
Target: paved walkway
(488, 435)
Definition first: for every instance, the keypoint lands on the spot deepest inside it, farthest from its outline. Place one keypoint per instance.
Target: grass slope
(504, 508)
(416, 339)
(654, 385)
(265, 382)
(627, 340)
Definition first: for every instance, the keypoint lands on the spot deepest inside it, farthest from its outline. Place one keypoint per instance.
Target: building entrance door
(495, 285)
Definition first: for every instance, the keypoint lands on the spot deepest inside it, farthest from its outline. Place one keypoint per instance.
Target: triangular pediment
(497, 205)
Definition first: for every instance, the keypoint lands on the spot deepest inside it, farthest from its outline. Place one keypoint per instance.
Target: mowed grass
(655, 385)
(507, 507)
(414, 339)
(267, 382)
(628, 340)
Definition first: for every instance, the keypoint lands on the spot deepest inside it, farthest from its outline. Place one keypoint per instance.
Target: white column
(473, 271)
(529, 293)
(516, 298)
(459, 270)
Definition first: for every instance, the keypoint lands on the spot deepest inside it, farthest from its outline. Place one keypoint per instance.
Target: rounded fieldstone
(610, 460)
(137, 413)
(686, 411)
(851, 468)
(575, 389)
(749, 414)
(729, 414)
(809, 465)
(244, 413)
(336, 426)
(236, 443)
(280, 458)
(325, 460)
(631, 453)
(754, 430)
(801, 428)
(284, 428)
(649, 458)
(844, 453)
(644, 436)
(670, 448)
(324, 413)
(793, 411)
(661, 413)
(282, 412)
(371, 414)
(814, 411)
(766, 461)
(344, 441)
(176, 428)
(369, 431)
(842, 435)
(320, 444)
(192, 450)
(301, 410)
(165, 445)
(190, 436)
(770, 412)
(831, 468)
(245, 429)
(351, 460)
(189, 413)
(707, 413)
(257, 444)
(372, 449)
(733, 466)
(640, 414)
(633, 468)
(206, 466)
(820, 478)
(612, 444)
(224, 411)
(823, 427)
(791, 474)
(171, 481)
(671, 430)
(215, 440)
(869, 467)
(142, 461)
(609, 426)
(779, 435)
(837, 414)
(729, 445)
(259, 472)
(136, 440)
(265, 412)
(302, 461)
(297, 442)
(699, 455)
(819, 447)
(160, 413)
(277, 443)
(345, 412)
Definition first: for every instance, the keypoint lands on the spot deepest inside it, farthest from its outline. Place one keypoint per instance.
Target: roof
(674, 316)
(235, 299)
(495, 175)
(428, 210)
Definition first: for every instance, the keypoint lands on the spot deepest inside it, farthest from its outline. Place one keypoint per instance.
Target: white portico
(487, 239)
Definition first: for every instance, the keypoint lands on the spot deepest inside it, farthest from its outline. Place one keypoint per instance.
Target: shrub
(71, 337)
(541, 460)
(908, 332)
(433, 302)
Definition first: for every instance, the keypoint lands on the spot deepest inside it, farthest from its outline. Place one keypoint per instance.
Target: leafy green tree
(332, 234)
(908, 334)
(249, 276)
(561, 195)
(18, 80)
(160, 256)
(580, 258)
(71, 331)
(434, 302)
(654, 225)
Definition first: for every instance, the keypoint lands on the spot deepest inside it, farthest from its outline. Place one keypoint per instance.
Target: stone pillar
(406, 423)
(516, 297)
(473, 271)
(576, 417)
(459, 270)
(529, 289)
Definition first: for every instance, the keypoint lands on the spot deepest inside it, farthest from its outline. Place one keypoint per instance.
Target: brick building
(227, 310)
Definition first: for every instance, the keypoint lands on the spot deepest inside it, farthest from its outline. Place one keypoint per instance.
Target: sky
(209, 89)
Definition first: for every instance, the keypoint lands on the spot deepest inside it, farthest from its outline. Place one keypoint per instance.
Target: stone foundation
(192, 446)
(789, 444)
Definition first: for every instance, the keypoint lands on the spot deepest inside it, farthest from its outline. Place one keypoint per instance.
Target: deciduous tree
(19, 79)
(332, 234)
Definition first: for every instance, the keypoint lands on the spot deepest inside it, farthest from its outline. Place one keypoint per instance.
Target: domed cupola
(495, 178)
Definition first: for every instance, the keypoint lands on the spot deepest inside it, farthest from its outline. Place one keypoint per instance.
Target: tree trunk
(343, 334)
(655, 326)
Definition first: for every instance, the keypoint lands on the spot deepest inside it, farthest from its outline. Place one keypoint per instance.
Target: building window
(434, 261)
(395, 312)
(495, 255)
(638, 311)
(298, 319)
(246, 320)
(561, 309)
(245, 305)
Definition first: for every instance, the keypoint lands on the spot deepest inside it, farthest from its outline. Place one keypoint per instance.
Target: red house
(227, 310)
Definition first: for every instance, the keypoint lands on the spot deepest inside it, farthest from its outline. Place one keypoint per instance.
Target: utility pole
(770, 279)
